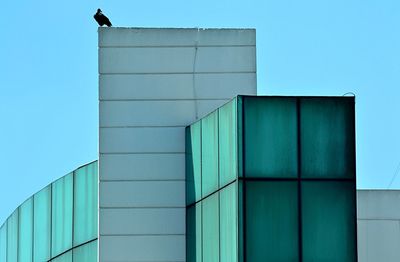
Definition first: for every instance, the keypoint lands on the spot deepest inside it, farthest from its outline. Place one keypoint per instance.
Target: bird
(102, 19)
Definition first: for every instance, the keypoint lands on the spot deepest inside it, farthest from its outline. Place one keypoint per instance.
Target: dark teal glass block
(42, 225)
(3, 243)
(193, 163)
(85, 203)
(228, 157)
(12, 236)
(210, 228)
(329, 221)
(193, 233)
(66, 257)
(61, 223)
(228, 221)
(209, 153)
(86, 253)
(272, 221)
(327, 137)
(25, 231)
(270, 137)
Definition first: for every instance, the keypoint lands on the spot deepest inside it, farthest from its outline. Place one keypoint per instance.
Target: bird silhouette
(102, 19)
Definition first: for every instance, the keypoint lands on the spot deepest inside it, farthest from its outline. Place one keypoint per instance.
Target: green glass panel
(227, 143)
(193, 163)
(240, 221)
(209, 153)
(25, 231)
(86, 253)
(228, 223)
(270, 137)
(3, 243)
(85, 203)
(327, 137)
(61, 222)
(211, 228)
(12, 237)
(193, 228)
(239, 106)
(328, 218)
(42, 225)
(271, 221)
(67, 257)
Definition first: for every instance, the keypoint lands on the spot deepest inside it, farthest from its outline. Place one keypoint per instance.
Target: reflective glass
(61, 222)
(193, 228)
(42, 225)
(3, 243)
(85, 203)
(272, 221)
(86, 253)
(239, 105)
(329, 221)
(193, 163)
(12, 237)
(211, 228)
(327, 137)
(270, 137)
(209, 153)
(25, 231)
(227, 143)
(228, 223)
(67, 257)
(240, 221)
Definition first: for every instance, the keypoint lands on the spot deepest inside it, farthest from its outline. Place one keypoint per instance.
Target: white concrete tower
(153, 83)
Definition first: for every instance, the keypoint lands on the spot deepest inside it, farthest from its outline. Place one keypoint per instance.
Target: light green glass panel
(270, 137)
(61, 222)
(227, 143)
(25, 231)
(3, 243)
(193, 227)
(272, 221)
(329, 221)
(12, 237)
(42, 225)
(209, 153)
(211, 228)
(327, 137)
(67, 257)
(193, 163)
(85, 203)
(228, 223)
(86, 253)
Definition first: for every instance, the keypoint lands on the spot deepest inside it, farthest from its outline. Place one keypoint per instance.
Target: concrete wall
(153, 83)
(378, 225)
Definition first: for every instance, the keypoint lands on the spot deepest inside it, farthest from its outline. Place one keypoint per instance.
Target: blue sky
(49, 80)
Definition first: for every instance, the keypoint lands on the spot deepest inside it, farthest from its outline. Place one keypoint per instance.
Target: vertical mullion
(299, 216)
(244, 182)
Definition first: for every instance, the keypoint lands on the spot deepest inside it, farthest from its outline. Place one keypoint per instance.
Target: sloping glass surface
(328, 218)
(85, 203)
(209, 153)
(327, 137)
(67, 257)
(228, 223)
(42, 225)
(228, 165)
(86, 253)
(272, 221)
(211, 228)
(12, 237)
(3, 243)
(62, 204)
(193, 163)
(193, 233)
(25, 231)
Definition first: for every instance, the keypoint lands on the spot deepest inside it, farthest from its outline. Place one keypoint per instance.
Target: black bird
(102, 19)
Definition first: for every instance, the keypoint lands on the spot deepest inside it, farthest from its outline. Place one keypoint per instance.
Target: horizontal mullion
(294, 179)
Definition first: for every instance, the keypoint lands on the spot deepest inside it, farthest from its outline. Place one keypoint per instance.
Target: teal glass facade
(282, 186)
(58, 223)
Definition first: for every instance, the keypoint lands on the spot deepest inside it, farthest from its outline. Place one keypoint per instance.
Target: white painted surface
(153, 83)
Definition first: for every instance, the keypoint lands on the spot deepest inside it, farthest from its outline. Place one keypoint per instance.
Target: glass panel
(67, 257)
(193, 163)
(228, 223)
(3, 243)
(272, 221)
(211, 228)
(61, 222)
(12, 237)
(209, 153)
(270, 137)
(241, 221)
(42, 225)
(327, 137)
(329, 216)
(240, 134)
(227, 143)
(25, 231)
(194, 233)
(86, 253)
(85, 203)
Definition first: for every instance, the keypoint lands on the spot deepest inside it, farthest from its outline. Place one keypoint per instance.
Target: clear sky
(49, 77)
